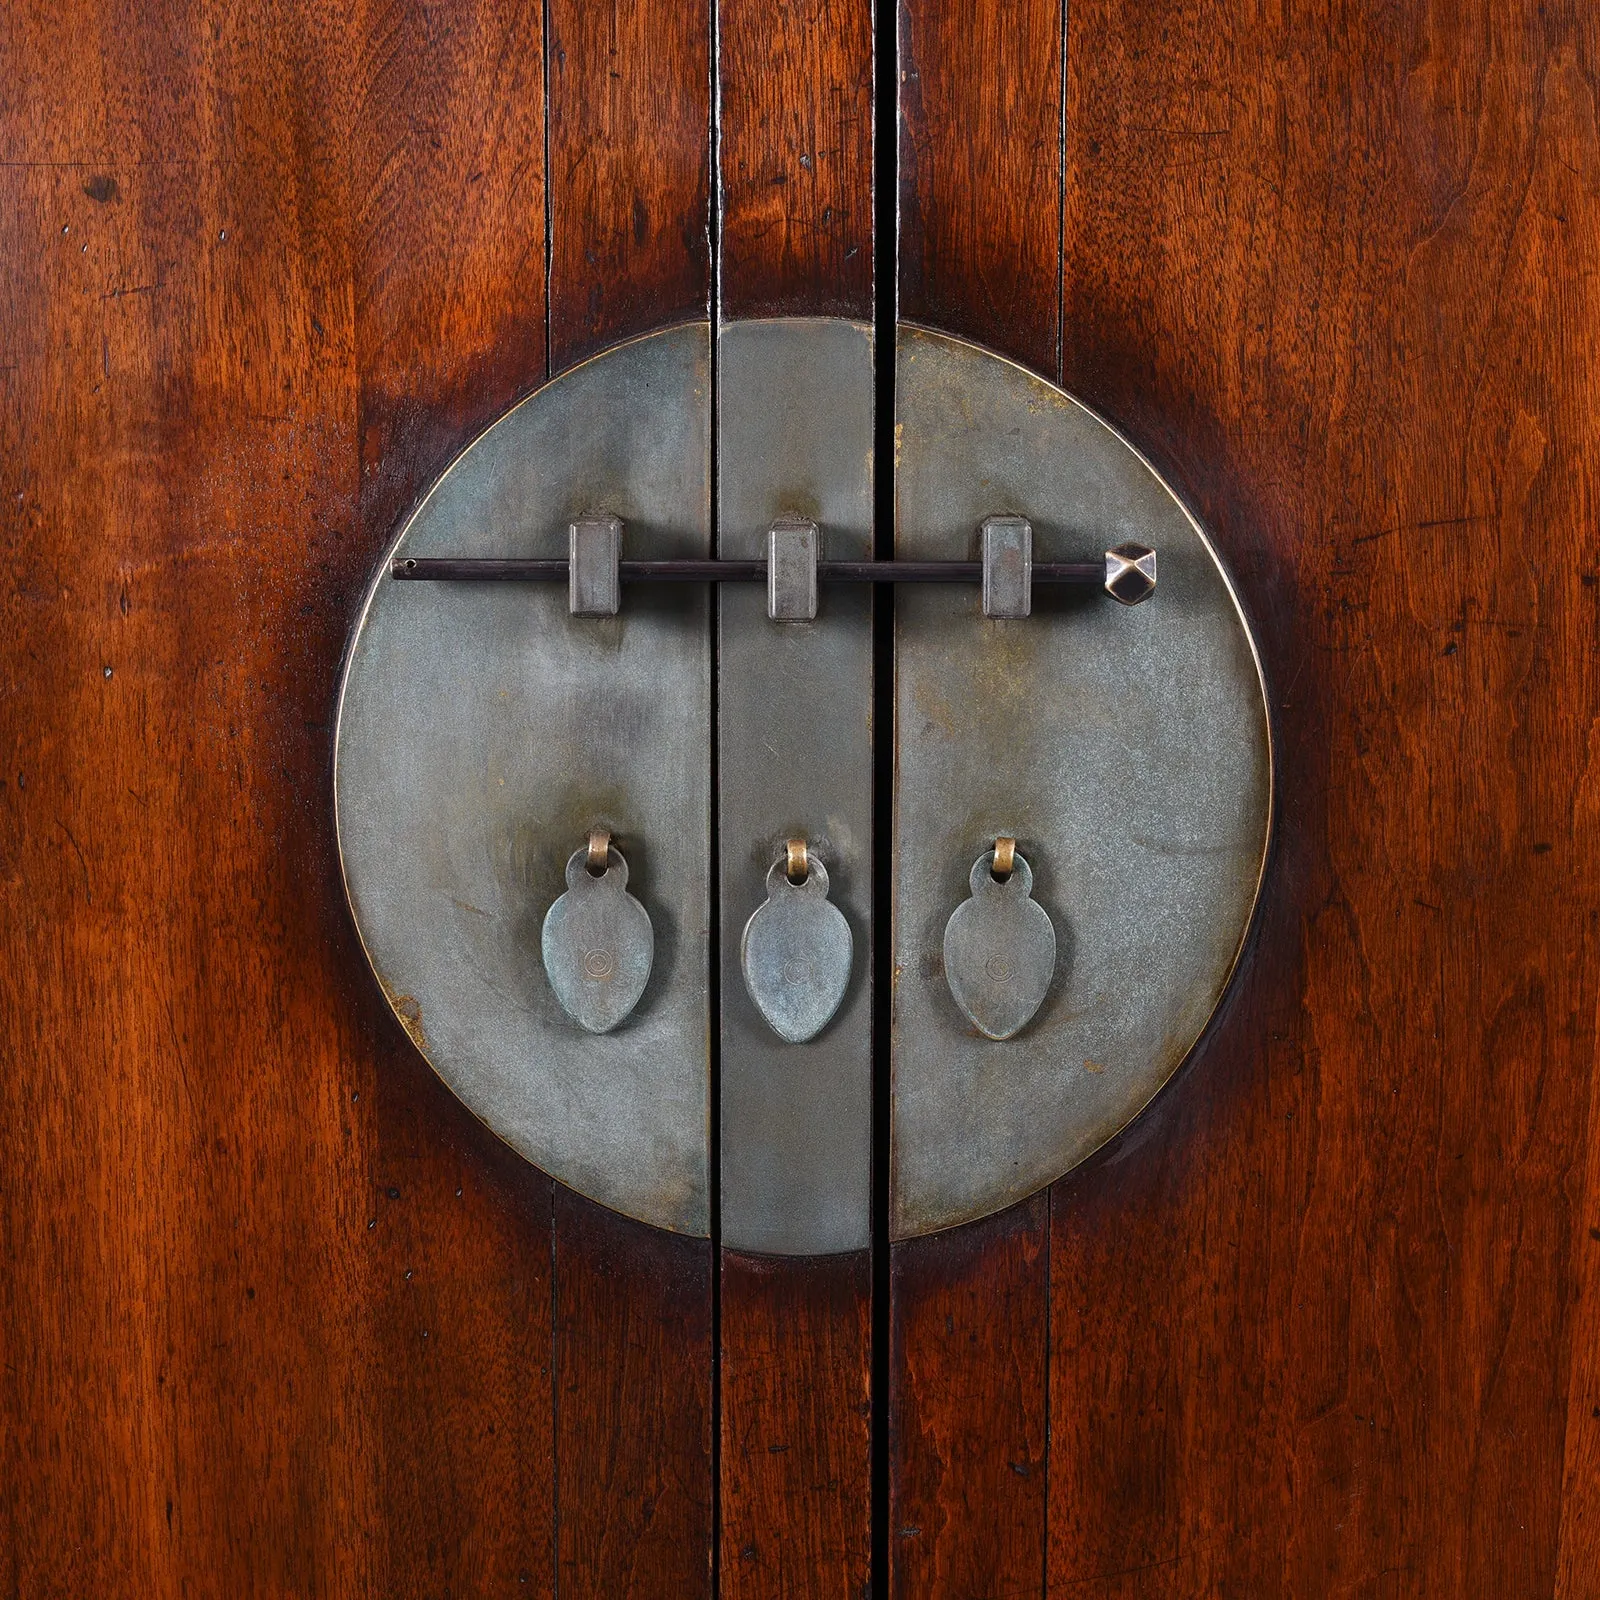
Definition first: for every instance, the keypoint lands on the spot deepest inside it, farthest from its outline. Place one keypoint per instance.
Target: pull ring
(799, 861)
(599, 851)
(1005, 857)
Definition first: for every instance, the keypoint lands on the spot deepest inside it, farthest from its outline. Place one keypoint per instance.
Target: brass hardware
(1005, 857)
(597, 942)
(799, 861)
(594, 552)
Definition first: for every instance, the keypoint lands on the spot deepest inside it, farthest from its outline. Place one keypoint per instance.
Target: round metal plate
(484, 731)
(1126, 750)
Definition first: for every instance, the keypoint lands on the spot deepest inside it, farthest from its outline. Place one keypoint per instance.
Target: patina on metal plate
(794, 712)
(484, 732)
(1125, 749)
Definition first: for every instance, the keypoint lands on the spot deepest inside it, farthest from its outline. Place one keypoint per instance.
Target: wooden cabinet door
(280, 1317)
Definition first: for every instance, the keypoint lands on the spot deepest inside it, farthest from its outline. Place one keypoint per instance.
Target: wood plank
(448, 186)
(630, 154)
(633, 1407)
(187, 1403)
(447, 179)
(980, 172)
(795, 1352)
(1338, 275)
(630, 142)
(796, 1426)
(796, 158)
(967, 1424)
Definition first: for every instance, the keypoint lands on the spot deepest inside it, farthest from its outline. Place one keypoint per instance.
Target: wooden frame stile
(980, 243)
(795, 167)
(630, 250)
(449, 274)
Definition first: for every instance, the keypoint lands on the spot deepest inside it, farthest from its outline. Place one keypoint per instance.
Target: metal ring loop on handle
(1005, 857)
(599, 850)
(798, 866)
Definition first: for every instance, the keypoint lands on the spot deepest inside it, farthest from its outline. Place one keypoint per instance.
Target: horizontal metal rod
(453, 569)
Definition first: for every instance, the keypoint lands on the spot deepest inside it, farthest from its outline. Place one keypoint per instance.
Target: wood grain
(968, 1430)
(633, 1407)
(980, 172)
(189, 1394)
(1338, 275)
(448, 268)
(796, 158)
(630, 142)
(796, 1426)
(980, 122)
(630, 154)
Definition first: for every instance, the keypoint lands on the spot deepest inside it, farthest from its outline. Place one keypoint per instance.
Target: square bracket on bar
(594, 586)
(1007, 567)
(792, 570)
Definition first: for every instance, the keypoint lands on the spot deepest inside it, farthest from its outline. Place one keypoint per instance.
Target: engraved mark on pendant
(999, 947)
(598, 943)
(796, 950)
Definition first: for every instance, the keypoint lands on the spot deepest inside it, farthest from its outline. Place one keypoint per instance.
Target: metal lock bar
(1127, 572)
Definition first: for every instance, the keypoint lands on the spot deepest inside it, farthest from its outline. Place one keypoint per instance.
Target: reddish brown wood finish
(447, 162)
(630, 161)
(795, 155)
(796, 1426)
(980, 179)
(277, 1310)
(796, 158)
(633, 1407)
(247, 1308)
(980, 172)
(968, 1430)
(1367, 344)
(186, 1387)
(630, 143)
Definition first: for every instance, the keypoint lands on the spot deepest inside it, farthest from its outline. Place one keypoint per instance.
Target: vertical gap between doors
(885, 289)
(714, 918)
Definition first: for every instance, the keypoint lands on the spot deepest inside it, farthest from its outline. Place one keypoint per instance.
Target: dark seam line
(1049, 1306)
(714, 908)
(555, 1253)
(1050, 1193)
(885, 258)
(555, 1404)
(549, 203)
(1061, 211)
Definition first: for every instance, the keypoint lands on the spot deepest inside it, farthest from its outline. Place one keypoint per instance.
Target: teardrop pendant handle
(797, 948)
(999, 945)
(598, 944)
